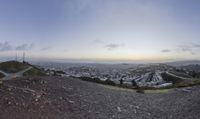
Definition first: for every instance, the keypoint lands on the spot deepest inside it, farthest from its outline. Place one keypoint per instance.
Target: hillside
(34, 72)
(11, 69)
(183, 63)
(1, 75)
(68, 98)
(12, 66)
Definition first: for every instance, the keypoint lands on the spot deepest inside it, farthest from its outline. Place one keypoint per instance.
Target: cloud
(112, 46)
(24, 47)
(188, 48)
(6, 46)
(196, 45)
(97, 41)
(166, 51)
(45, 48)
(184, 48)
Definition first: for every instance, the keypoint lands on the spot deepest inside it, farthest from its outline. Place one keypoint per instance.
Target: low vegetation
(139, 90)
(187, 83)
(97, 80)
(170, 78)
(14, 66)
(34, 72)
(178, 82)
(60, 72)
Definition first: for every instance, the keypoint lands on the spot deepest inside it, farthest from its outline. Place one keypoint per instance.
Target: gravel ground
(67, 98)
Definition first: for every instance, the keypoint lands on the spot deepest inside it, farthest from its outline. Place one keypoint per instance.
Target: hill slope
(34, 72)
(1, 75)
(67, 98)
(12, 66)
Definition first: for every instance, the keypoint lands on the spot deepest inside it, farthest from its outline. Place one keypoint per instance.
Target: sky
(124, 30)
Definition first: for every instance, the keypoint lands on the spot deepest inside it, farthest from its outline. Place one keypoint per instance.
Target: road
(4, 73)
(176, 76)
(9, 76)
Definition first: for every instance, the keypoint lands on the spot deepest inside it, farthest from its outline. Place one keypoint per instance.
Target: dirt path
(67, 98)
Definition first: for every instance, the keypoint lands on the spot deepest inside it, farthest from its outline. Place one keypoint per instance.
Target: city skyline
(101, 30)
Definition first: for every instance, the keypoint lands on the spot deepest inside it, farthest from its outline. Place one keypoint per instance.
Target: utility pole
(16, 57)
(23, 57)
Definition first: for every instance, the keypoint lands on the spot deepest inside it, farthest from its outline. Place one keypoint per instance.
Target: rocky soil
(67, 98)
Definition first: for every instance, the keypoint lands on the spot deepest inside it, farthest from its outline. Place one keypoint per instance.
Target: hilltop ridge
(12, 66)
(12, 69)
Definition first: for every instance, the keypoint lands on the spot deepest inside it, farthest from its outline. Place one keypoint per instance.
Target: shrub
(34, 72)
(60, 72)
(140, 90)
(170, 78)
(109, 82)
(97, 80)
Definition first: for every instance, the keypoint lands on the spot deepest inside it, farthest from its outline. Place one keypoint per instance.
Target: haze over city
(98, 30)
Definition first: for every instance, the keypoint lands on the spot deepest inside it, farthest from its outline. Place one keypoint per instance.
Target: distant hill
(192, 67)
(12, 66)
(183, 63)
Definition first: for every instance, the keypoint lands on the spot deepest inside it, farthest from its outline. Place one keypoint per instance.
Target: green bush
(34, 72)
(170, 78)
(109, 82)
(140, 90)
(97, 80)
(60, 72)
(178, 82)
(187, 83)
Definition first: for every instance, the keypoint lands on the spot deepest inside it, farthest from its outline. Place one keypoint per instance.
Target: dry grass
(187, 83)
(12, 66)
(34, 72)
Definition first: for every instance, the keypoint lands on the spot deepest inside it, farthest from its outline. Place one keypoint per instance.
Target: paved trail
(10, 76)
(177, 76)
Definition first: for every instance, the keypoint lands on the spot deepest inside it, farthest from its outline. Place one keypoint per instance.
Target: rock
(43, 82)
(9, 103)
(186, 90)
(135, 111)
(36, 99)
(137, 107)
(70, 101)
(61, 98)
(97, 112)
(16, 104)
(23, 104)
(9, 89)
(38, 96)
(119, 109)
(130, 106)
